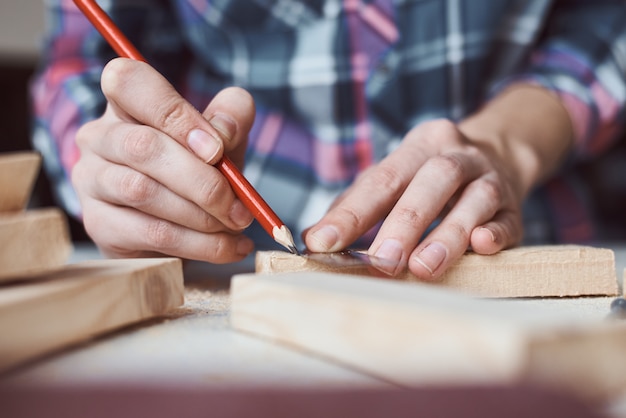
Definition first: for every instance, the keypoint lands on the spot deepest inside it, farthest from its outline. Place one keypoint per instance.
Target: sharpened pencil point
(283, 236)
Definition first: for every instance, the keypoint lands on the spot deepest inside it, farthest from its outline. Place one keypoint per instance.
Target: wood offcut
(533, 271)
(76, 302)
(18, 172)
(413, 334)
(33, 241)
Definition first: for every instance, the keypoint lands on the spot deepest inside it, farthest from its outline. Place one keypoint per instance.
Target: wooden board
(532, 271)
(32, 241)
(80, 301)
(18, 172)
(412, 334)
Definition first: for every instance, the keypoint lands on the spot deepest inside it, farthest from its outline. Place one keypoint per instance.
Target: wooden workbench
(196, 347)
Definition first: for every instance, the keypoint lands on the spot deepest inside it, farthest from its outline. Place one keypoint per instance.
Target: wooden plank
(18, 172)
(32, 241)
(412, 334)
(77, 302)
(534, 271)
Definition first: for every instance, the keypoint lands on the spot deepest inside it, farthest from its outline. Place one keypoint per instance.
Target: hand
(145, 179)
(436, 172)
(473, 177)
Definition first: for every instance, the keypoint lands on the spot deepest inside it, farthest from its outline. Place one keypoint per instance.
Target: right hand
(145, 178)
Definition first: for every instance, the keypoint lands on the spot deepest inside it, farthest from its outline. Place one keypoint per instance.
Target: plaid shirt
(338, 83)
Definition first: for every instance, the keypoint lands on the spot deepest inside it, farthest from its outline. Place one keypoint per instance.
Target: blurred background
(22, 26)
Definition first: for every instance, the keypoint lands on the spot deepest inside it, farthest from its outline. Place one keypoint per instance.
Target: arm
(581, 59)
(474, 175)
(142, 191)
(65, 91)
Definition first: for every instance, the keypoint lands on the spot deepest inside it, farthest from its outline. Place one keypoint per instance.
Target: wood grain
(412, 334)
(18, 172)
(32, 241)
(77, 302)
(534, 271)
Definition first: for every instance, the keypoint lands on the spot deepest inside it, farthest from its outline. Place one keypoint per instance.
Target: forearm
(527, 127)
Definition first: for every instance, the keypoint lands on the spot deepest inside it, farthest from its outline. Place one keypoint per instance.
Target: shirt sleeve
(581, 57)
(65, 90)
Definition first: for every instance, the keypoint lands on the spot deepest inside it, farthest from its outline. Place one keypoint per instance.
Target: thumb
(231, 113)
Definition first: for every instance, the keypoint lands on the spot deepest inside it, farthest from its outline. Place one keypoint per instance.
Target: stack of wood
(32, 240)
(468, 328)
(47, 304)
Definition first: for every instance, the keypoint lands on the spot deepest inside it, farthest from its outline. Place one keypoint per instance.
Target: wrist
(527, 128)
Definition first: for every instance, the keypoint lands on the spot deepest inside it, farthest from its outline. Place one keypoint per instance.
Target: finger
(478, 203)
(361, 206)
(137, 92)
(377, 190)
(149, 151)
(503, 231)
(122, 186)
(439, 179)
(135, 233)
(231, 113)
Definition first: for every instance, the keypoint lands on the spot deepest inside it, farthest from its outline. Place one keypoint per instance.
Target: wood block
(32, 241)
(534, 271)
(412, 334)
(18, 172)
(77, 302)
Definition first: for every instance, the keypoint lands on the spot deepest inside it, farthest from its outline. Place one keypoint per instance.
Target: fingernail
(432, 256)
(388, 257)
(491, 234)
(240, 215)
(326, 237)
(224, 124)
(203, 145)
(390, 250)
(244, 246)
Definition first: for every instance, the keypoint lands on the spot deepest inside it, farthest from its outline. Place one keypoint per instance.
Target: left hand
(436, 173)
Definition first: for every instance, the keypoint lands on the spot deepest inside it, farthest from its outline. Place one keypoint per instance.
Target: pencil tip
(283, 236)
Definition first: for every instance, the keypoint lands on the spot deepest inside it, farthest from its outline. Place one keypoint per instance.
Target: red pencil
(242, 188)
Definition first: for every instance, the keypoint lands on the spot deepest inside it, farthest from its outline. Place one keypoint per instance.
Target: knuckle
(491, 190)
(436, 134)
(409, 216)
(137, 188)
(458, 230)
(172, 116)
(141, 144)
(451, 165)
(208, 222)
(350, 217)
(162, 235)
(388, 177)
(114, 76)
(439, 130)
(211, 193)
(219, 248)
(222, 248)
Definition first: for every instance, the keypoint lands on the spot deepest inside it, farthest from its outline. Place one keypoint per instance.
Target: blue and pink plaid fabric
(339, 82)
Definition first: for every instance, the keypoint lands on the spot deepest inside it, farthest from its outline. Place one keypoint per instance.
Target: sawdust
(201, 301)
